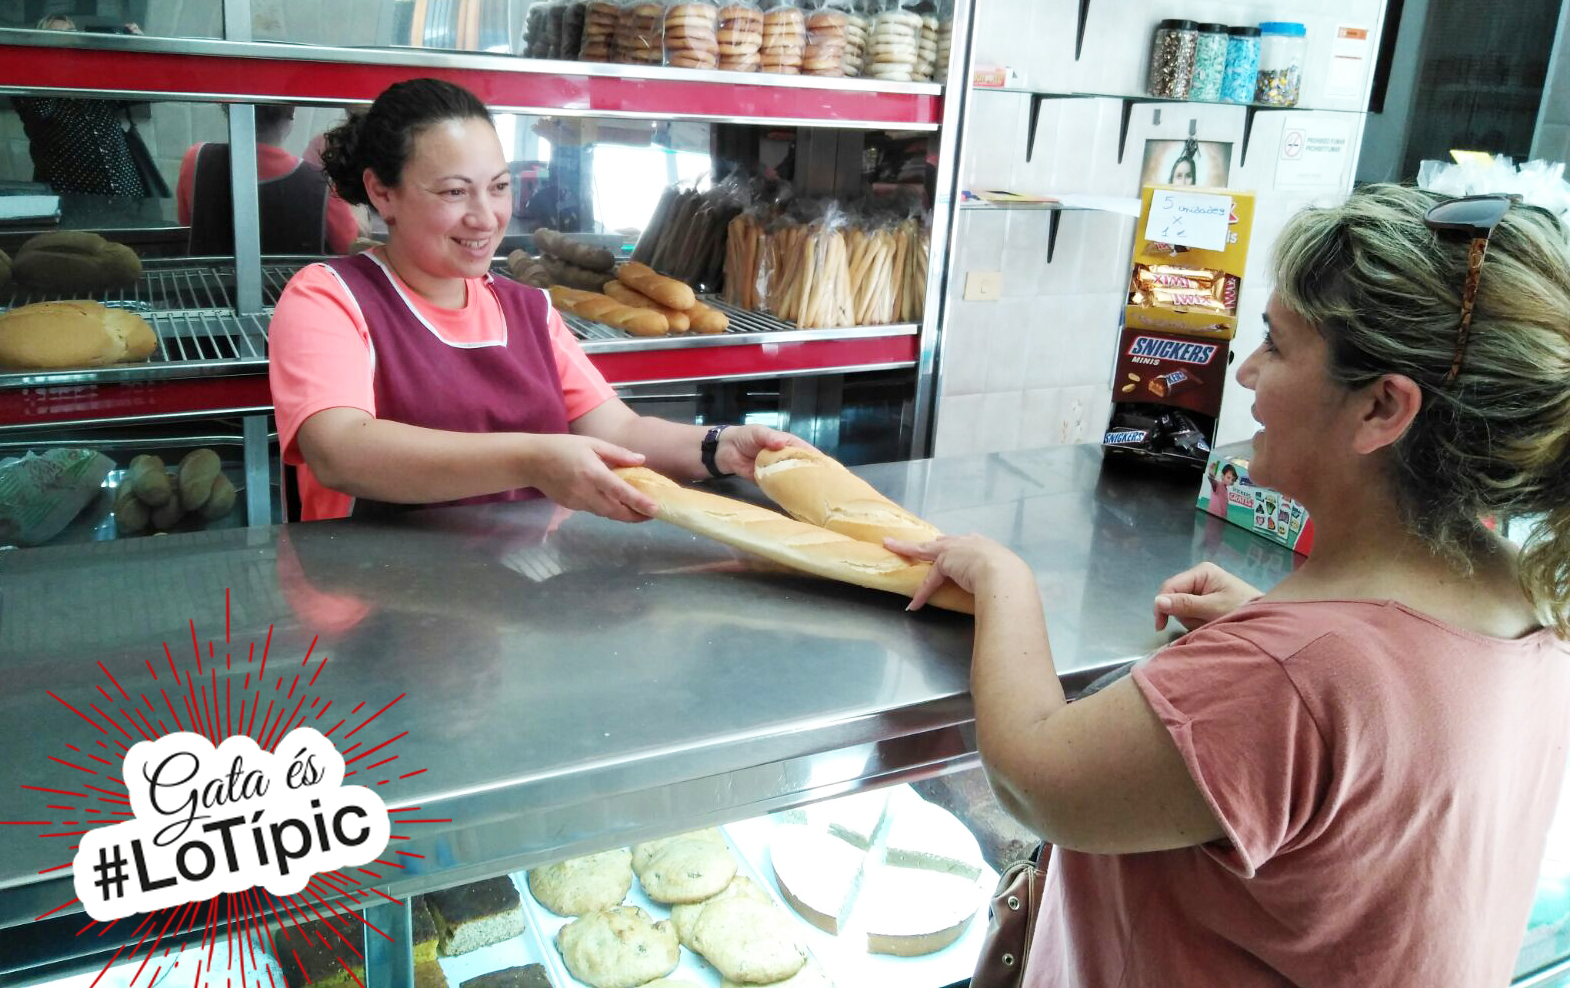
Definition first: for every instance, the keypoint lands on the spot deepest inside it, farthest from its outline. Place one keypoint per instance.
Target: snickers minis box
(1226, 491)
(1181, 314)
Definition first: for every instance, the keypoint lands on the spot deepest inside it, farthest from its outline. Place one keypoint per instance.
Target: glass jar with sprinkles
(1172, 58)
(1210, 63)
(1242, 71)
(1281, 47)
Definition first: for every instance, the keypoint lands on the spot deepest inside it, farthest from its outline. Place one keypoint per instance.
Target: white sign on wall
(1192, 219)
(1348, 63)
(1314, 153)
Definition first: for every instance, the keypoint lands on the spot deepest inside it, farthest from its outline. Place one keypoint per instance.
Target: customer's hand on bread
(974, 563)
(575, 472)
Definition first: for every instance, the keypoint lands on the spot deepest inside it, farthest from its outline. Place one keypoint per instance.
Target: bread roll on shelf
(58, 335)
(707, 319)
(817, 489)
(679, 321)
(603, 308)
(796, 544)
(666, 291)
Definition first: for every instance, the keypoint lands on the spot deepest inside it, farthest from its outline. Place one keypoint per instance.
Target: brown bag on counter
(1015, 906)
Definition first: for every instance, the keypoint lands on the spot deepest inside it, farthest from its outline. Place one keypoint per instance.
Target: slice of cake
(853, 818)
(817, 874)
(526, 976)
(910, 911)
(429, 974)
(425, 935)
(922, 835)
(477, 915)
(309, 954)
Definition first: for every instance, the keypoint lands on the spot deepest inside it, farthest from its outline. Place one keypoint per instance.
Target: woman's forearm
(405, 464)
(1012, 680)
(670, 448)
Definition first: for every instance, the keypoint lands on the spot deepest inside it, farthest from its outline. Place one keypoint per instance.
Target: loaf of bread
(817, 489)
(529, 270)
(603, 308)
(56, 335)
(569, 274)
(666, 291)
(584, 256)
(793, 543)
(71, 261)
(707, 319)
(679, 321)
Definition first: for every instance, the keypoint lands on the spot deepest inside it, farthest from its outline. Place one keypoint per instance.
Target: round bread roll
(55, 335)
(71, 261)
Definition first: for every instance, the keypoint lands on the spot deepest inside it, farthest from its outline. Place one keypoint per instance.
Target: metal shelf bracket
(1079, 30)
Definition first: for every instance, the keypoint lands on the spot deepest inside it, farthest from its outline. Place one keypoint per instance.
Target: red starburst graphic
(254, 919)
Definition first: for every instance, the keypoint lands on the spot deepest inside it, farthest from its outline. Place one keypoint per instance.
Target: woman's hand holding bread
(973, 563)
(576, 472)
(741, 445)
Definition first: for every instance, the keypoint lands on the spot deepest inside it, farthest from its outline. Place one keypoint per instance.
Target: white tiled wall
(1035, 367)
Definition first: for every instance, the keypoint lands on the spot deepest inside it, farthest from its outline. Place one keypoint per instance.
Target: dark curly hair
(381, 138)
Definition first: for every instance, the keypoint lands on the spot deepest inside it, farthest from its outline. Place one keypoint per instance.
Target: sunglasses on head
(1475, 216)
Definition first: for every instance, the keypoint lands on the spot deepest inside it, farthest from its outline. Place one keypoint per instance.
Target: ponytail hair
(382, 138)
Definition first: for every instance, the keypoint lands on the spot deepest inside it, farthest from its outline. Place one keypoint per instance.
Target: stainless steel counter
(572, 683)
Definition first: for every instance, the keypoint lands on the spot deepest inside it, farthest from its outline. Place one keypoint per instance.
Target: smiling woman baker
(409, 376)
(1348, 780)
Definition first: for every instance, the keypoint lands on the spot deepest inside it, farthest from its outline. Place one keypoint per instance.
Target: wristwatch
(711, 445)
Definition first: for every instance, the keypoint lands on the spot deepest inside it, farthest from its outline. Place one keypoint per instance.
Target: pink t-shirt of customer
(1385, 782)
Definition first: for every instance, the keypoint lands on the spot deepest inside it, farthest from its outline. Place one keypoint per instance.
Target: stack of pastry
(599, 28)
(640, 29)
(690, 38)
(945, 45)
(895, 34)
(809, 277)
(825, 53)
(744, 248)
(927, 49)
(740, 37)
(856, 27)
(874, 259)
(784, 40)
(910, 273)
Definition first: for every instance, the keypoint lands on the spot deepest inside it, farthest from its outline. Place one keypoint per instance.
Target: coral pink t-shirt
(320, 357)
(1385, 781)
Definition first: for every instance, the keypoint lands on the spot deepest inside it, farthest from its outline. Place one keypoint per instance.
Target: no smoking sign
(1292, 145)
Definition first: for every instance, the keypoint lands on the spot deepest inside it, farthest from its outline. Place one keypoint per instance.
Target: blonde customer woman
(1347, 780)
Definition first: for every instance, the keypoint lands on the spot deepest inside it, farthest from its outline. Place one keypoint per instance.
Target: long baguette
(679, 321)
(817, 489)
(795, 544)
(666, 291)
(603, 308)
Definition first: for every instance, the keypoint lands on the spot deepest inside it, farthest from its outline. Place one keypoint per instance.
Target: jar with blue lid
(1241, 76)
(1281, 48)
(1210, 63)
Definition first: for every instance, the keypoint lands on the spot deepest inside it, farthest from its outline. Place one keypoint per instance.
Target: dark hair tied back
(382, 138)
